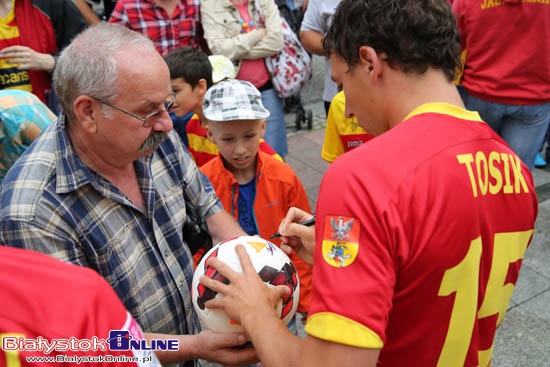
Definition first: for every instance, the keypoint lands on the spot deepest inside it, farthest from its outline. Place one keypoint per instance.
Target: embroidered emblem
(340, 240)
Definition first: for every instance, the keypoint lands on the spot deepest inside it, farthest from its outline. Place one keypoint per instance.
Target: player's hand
(295, 237)
(28, 59)
(246, 297)
(226, 348)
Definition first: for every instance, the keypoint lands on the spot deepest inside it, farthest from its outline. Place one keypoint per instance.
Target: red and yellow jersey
(45, 26)
(60, 312)
(203, 150)
(511, 69)
(200, 147)
(342, 134)
(418, 253)
(10, 76)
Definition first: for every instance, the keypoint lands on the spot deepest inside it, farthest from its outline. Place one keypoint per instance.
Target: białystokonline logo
(123, 340)
(119, 340)
(128, 338)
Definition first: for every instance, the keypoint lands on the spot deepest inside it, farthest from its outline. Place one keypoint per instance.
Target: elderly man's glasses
(151, 118)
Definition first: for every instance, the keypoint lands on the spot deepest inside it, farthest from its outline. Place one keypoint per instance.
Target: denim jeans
(522, 127)
(275, 131)
(547, 142)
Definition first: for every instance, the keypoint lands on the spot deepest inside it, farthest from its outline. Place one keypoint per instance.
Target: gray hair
(88, 65)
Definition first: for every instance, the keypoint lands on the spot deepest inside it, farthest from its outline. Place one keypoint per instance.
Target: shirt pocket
(174, 201)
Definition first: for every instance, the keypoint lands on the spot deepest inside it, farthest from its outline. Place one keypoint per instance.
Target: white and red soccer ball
(271, 264)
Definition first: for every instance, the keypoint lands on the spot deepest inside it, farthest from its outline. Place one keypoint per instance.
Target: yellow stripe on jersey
(339, 329)
(447, 109)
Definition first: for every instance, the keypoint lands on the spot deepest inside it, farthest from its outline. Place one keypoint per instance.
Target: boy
(191, 74)
(254, 187)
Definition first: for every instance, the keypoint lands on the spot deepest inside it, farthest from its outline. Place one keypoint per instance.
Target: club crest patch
(340, 240)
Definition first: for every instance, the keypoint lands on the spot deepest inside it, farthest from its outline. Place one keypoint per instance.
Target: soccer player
(420, 233)
(42, 298)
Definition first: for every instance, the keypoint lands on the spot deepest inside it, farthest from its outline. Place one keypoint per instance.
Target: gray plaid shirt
(53, 203)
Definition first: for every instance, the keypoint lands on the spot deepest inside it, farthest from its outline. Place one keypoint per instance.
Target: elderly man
(105, 187)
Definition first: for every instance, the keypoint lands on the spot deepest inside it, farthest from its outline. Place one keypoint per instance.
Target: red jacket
(277, 189)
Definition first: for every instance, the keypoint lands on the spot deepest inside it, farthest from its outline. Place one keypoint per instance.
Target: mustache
(153, 141)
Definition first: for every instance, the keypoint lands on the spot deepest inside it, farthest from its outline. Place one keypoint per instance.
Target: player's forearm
(273, 341)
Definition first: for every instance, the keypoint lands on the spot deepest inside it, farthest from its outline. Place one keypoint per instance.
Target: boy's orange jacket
(277, 189)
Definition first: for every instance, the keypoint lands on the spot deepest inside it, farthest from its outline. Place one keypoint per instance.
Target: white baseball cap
(222, 68)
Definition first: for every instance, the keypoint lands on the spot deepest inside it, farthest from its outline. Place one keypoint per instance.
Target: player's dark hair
(189, 64)
(414, 34)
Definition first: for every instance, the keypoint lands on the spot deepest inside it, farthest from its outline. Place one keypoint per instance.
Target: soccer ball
(271, 264)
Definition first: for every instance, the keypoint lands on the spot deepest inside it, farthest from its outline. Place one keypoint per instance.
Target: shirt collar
(71, 172)
(446, 109)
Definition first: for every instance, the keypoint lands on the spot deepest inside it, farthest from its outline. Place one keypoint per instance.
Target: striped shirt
(167, 32)
(53, 203)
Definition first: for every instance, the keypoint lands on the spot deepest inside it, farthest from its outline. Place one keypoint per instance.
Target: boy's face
(238, 142)
(187, 98)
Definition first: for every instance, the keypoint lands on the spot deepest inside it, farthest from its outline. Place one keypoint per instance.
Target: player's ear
(370, 60)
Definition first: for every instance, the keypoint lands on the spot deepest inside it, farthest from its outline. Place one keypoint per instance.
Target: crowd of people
(117, 115)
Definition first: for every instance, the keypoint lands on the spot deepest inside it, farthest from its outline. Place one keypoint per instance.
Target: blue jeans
(522, 127)
(275, 131)
(547, 141)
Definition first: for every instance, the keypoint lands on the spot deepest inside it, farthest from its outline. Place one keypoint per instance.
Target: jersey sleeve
(352, 265)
